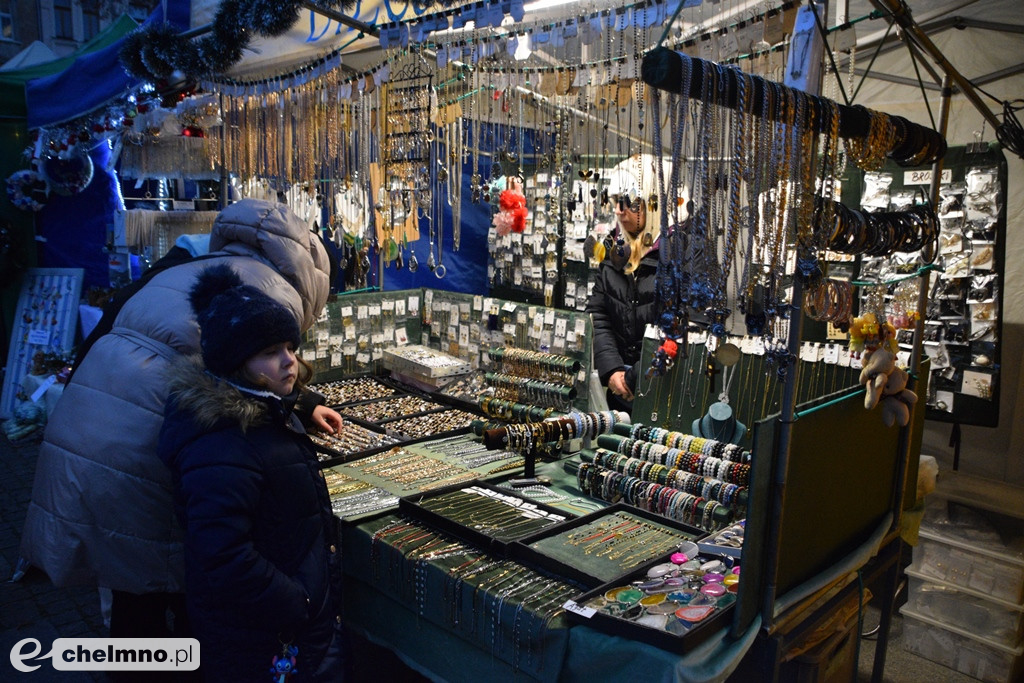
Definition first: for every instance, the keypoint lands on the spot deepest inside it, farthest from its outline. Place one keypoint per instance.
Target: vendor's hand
(327, 420)
(617, 383)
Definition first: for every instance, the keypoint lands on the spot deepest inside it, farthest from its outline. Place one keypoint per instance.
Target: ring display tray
(353, 390)
(355, 440)
(379, 410)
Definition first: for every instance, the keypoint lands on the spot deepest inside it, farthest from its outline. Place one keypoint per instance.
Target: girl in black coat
(262, 569)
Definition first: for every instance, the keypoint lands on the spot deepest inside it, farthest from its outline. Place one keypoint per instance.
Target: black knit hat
(236, 320)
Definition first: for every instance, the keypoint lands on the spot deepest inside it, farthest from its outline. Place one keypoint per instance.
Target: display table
(413, 609)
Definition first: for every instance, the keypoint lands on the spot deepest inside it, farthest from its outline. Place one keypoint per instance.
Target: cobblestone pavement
(33, 607)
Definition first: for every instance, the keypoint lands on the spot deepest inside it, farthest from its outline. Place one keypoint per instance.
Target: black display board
(963, 322)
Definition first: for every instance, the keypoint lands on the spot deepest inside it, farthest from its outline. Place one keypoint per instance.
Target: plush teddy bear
(886, 384)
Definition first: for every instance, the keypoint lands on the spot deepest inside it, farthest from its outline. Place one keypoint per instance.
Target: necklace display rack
(903, 141)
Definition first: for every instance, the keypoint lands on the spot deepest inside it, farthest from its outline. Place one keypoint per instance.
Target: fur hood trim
(211, 399)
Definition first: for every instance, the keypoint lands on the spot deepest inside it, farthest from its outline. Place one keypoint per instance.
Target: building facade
(61, 25)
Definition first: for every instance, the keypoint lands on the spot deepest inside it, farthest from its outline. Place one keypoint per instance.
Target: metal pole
(342, 18)
(901, 15)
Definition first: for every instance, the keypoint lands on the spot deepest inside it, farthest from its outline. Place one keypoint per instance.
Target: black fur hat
(236, 320)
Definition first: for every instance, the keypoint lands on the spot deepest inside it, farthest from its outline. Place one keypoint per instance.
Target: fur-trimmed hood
(211, 400)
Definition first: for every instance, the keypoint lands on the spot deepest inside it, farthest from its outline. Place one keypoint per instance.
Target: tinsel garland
(270, 18)
(154, 52)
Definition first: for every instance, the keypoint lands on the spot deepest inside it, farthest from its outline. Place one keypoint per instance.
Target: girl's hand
(327, 419)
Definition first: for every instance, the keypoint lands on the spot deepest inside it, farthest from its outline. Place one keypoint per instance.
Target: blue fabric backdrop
(75, 227)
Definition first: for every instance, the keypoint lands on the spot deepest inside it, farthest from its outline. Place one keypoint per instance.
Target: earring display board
(44, 322)
(963, 322)
(470, 326)
(354, 331)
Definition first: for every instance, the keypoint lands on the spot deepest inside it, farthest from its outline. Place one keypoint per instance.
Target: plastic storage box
(981, 569)
(960, 650)
(995, 620)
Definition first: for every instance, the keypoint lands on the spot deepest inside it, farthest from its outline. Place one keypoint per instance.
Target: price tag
(855, 362)
(576, 608)
(709, 49)
(46, 384)
(729, 46)
(830, 354)
(924, 177)
(41, 337)
(747, 344)
(759, 346)
(844, 357)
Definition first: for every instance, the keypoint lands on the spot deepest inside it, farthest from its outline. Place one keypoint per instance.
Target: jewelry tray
(680, 642)
(335, 456)
(412, 506)
(570, 562)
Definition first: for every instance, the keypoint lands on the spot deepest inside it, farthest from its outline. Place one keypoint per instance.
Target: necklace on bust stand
(719, 423)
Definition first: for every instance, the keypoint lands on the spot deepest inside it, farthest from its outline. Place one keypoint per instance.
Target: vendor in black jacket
(623, 300)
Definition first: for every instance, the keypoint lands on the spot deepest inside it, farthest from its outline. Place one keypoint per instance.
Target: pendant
(647, 240)
(431, 263)
(413, 262)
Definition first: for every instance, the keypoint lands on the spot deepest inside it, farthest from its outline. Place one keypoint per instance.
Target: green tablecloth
(412, 610)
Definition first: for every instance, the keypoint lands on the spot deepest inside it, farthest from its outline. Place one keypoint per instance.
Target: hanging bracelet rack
(668, 70)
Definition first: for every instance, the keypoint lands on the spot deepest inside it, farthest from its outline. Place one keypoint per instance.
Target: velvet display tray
(392, 407)
(330, 446)
(495, 543)
(354, 390)
(548, 548)
(680, 635)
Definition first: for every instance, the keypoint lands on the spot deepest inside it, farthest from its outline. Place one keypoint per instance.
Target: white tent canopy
(35, 53)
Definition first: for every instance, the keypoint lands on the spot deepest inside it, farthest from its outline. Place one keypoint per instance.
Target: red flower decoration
(513, 203)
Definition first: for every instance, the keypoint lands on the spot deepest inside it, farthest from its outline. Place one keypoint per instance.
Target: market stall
(466, 163)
